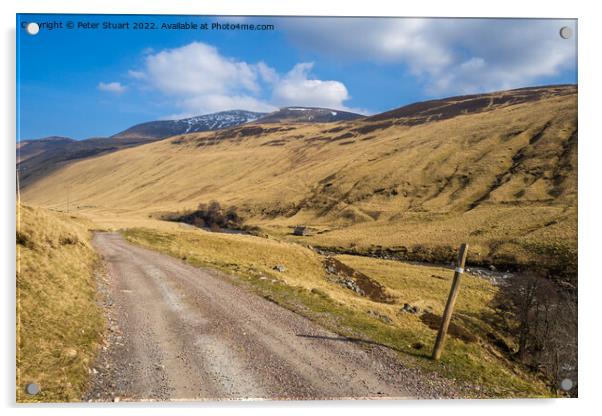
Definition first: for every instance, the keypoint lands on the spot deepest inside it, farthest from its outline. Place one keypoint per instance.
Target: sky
(86, 82)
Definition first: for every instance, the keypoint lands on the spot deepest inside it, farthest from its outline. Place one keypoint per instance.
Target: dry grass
(303, 287)
(504, 180)
(58, 320)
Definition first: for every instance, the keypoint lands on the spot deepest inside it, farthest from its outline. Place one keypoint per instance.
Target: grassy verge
(58, 320)
(469, 355)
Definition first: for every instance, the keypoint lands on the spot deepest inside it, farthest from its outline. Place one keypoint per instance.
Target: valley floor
(196, 315)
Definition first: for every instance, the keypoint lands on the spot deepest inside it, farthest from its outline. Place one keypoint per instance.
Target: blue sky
(85, 83)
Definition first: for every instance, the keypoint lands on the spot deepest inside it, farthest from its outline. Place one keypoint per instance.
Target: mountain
(307, 115)
(500, 174)
(36, 158)
(227, 119)
(30, 148)
(166, 128)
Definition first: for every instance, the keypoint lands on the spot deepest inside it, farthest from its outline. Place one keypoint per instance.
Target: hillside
(442, 109)
(498, 171)
(208, 122)
(59, 322)
(29, 148)
(38, 158)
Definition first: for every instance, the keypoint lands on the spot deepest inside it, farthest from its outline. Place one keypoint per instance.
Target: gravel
(181, 333)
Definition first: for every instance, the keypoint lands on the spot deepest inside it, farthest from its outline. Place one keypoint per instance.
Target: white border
(590, 179)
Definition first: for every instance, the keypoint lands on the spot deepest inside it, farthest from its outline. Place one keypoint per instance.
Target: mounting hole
(32, 389)
(566, 384)
(32, 28)
(566, 32)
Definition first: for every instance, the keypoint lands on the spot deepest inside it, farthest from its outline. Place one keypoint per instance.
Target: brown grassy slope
(58, 320)
(503, 178)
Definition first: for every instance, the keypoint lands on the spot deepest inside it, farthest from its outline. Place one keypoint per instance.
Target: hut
(301, 230)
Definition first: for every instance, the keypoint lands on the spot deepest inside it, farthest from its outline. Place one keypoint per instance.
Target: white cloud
(447, 55)
(199, 79)
(198, 68)
(381, 39)
(114, 87)
(267, 73)
(136, 74)
(297, 88)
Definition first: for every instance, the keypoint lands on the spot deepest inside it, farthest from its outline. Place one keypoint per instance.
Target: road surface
(182, 333)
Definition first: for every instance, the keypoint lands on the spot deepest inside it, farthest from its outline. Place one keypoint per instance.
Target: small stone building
(301, 230)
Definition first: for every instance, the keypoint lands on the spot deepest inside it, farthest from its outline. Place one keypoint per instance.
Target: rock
(116, 399)
(263, 278)
(280, 268)
(410, 309)
(351, 285)
(380, 316)
(492, 268)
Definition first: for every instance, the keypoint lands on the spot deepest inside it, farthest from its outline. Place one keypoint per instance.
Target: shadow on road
(347, 339)
(416, 353)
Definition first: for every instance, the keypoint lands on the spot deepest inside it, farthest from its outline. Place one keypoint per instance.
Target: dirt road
(182, 333)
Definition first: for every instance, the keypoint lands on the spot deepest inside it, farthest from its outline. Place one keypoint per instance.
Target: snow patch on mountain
(208, 122)
(217, 121)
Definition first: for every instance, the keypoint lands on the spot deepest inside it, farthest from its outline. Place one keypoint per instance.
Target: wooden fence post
(451, 301)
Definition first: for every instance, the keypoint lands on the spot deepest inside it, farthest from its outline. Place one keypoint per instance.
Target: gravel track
(181, 333)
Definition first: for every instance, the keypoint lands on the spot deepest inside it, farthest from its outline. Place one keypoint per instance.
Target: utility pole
(451, 301)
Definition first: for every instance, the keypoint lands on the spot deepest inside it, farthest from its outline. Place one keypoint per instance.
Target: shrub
(542, 316)
(211, 216)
